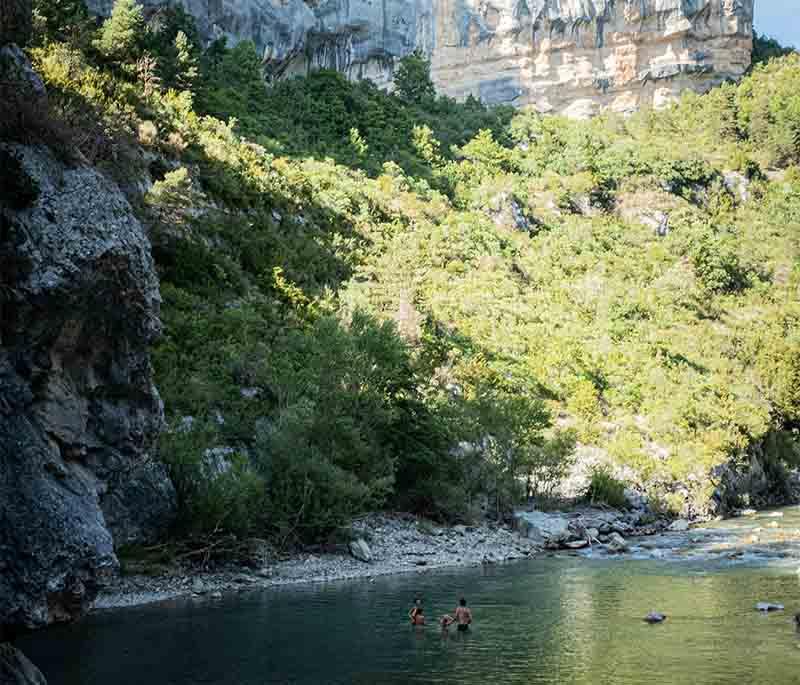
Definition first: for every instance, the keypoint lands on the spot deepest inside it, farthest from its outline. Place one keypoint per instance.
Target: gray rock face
(361, 551)
(541, 527)
(78, 413)
(572, 56)
(16, 669)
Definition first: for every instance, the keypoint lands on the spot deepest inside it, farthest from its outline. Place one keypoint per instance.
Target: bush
(212, 500)
(604, 488)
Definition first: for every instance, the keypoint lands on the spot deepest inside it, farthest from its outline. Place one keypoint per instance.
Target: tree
(122, 33)
(186, 61)
(765, 49)
(412, 81)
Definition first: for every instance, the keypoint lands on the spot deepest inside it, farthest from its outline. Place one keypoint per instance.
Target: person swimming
(463, 616)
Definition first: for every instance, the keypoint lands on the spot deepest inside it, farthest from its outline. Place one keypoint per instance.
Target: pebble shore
(397, 545)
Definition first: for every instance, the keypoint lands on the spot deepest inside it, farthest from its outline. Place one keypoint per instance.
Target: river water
(562, 619)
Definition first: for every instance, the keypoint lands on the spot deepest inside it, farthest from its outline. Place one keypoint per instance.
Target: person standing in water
(463, 616)
(419, 617)
(417, 608)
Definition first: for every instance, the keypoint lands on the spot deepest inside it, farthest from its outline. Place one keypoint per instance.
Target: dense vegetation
(375, 299)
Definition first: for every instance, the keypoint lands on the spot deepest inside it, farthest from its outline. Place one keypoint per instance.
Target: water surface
(554, 620)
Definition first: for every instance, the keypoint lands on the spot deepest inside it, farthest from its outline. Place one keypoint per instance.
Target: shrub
(211, 501)
(604, 488)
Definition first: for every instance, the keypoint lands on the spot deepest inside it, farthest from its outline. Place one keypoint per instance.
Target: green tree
(412, 81)
(122, 33)
(766, 49)
(62, 20)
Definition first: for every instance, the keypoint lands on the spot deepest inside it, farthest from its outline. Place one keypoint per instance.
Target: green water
(557, 620)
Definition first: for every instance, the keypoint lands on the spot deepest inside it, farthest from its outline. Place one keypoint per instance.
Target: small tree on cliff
(122, 33)
(412, 81)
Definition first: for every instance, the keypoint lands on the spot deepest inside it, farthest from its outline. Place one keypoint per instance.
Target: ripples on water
(565, 620)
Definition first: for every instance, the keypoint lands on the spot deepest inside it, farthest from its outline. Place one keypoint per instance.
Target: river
(561, 619)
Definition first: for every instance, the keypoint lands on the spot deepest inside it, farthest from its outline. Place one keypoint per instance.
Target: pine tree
(186, 62)
(122, 32)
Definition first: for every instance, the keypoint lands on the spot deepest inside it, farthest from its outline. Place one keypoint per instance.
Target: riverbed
(556, 619)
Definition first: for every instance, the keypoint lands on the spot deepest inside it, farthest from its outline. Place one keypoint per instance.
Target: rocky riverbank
(388, 544)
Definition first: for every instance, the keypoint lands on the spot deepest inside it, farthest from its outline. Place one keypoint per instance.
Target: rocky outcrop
(79, 413)
(16, 669)
(570, 56)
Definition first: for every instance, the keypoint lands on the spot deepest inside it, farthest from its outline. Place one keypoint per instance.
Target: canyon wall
(79, 414)
(575, 57)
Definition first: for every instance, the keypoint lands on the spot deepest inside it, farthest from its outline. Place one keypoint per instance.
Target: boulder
(542, 527)
(616, 544)
(679, 526)
(16, 669)
(360, 550)
(576, 544)
(635, 499)
(79, 414)
(737, 184)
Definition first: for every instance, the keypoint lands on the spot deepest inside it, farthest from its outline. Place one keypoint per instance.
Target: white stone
(679, 526)
(360, 550)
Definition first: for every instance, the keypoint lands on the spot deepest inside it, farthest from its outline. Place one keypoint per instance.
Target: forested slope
(375, 299)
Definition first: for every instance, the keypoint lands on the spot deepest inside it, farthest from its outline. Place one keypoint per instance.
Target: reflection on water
(562, 620)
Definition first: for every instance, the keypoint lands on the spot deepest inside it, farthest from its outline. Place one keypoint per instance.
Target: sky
(779, 19)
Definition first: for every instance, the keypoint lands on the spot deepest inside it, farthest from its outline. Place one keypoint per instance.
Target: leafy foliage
(604, 488)
(399, 299)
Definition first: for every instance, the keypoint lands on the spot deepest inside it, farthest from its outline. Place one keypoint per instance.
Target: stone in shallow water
(679, 526)
(616, 544)
(766, 606)
(655, 617)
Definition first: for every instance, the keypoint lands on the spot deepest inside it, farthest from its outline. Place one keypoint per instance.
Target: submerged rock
(16, 669)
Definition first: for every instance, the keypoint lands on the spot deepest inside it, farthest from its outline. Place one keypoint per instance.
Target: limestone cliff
(568, 56)
(78, 409)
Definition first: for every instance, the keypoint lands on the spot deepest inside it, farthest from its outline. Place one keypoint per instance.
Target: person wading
(463, 616)
(416, 609)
